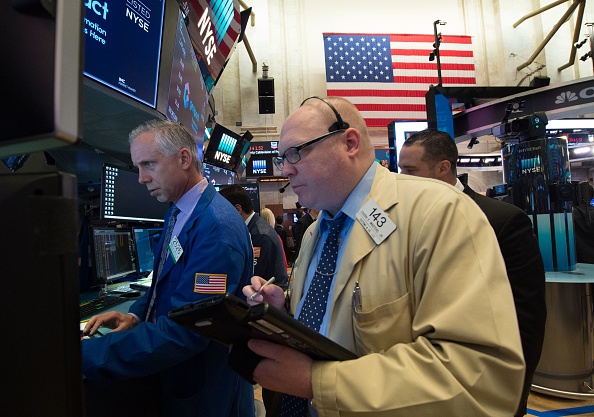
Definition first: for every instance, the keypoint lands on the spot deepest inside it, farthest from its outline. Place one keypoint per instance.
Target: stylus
(254, 295)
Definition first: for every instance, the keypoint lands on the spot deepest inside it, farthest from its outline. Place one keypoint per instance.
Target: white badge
(375, 221)
(175, 249)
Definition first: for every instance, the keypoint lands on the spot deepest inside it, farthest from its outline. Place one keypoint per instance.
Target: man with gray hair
(205, 249)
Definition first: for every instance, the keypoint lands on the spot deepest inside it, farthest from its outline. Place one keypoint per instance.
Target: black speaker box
(266, 105)
(540, 82)
(266, 87)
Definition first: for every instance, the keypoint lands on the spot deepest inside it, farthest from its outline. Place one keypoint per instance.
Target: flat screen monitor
(145, 240)
(398, 132)
(41, 78)
(268, 147)
(123, 46)
(187, 101)
(214, 27)
(124, 198)
(225, 148)
(114, 253)
(216, 175)
(259, 166)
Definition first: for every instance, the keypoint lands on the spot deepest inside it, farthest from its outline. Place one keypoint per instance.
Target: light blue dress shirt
(350, 208)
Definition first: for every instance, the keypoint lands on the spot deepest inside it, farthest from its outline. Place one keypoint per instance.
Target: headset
(284, 187)
(340, 124)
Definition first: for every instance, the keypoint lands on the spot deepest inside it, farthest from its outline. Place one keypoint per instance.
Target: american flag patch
(210, 283)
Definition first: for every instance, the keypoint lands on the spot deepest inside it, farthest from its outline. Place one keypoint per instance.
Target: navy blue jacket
(195, 377)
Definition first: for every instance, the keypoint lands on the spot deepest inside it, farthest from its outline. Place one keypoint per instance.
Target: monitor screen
(123, 46)
(269, 147)
(225, 148)
(41, 79)
(188, 96)
(145, 240)
(114, 253)
(124, 198)
(259, 166)
(216, 175)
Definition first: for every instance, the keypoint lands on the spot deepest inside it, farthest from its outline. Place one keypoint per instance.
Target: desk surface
(583, 274)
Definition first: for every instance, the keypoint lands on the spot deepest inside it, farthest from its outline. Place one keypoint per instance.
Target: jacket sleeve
(153, 347)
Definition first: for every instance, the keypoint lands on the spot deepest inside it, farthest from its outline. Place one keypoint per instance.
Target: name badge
(375, 221)
(175, 249)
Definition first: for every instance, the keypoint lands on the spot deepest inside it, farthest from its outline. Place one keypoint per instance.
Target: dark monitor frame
(136, 204)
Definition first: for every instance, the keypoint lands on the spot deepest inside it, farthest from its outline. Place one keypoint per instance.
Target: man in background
(388, 272)
(433, 154)
(309, 216)
(280, 230)
(269, 259)
(148, 365)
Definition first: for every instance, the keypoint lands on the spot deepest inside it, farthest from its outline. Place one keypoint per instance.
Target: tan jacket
(437, 332)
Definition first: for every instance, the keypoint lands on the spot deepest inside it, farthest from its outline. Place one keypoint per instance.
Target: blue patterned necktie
(314, 306)
(168, 232)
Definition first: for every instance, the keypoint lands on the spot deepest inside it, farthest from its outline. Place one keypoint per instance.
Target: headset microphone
(284, 187)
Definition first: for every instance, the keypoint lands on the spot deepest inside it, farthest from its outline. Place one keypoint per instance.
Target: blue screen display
(123, 45)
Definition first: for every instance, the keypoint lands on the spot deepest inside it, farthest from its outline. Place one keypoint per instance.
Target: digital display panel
(146, 240)
(224, 148)
(259, 166)
(216, 175)
(114, 253)
(123, 45)
(188, 95)
(124, 198)
(214, 26)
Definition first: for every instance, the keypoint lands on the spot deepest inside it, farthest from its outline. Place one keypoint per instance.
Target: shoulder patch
(205, 283)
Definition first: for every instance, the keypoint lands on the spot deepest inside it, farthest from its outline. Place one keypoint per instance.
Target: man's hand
(283, 369)
(112, 319)
(272, 294)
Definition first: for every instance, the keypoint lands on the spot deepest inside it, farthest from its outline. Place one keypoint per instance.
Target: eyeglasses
(293, 154)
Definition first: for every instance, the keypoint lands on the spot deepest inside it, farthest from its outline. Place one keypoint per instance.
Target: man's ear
(185, 157)
(443, 169)
(353, 141)
(238, 208)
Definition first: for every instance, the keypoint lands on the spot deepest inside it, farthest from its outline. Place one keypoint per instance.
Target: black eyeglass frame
(279, 161)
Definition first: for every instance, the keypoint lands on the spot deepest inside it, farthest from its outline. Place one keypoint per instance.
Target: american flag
(387, 76)
(210, 283)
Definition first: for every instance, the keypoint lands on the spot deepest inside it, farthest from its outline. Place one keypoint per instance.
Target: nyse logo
(259, 166)
(98, 8)
(225, 149)
(206, 30)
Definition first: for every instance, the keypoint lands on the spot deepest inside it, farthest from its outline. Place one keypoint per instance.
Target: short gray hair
(170, 137)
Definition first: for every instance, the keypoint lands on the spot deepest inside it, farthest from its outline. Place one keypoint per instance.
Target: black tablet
(230, 320)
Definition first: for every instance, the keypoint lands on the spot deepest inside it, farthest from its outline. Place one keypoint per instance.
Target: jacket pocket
(383, 326)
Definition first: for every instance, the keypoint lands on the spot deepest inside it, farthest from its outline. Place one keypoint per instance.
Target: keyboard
(90, 307)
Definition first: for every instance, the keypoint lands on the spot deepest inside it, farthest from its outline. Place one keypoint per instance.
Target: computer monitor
(123, 46)
(145, 240)
(41, 78)
(114, 253)
(124, 198)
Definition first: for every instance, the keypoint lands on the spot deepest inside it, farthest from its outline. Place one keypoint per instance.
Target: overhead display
(188, 95)
(214, 27)
(123, 45)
